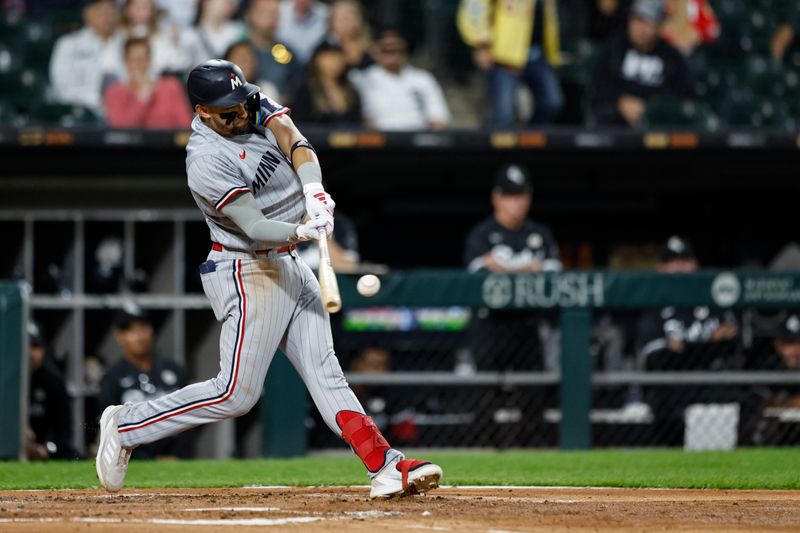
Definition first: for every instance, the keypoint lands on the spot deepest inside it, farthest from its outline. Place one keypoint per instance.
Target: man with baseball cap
(636, 66)
(677, 255)
(776, 399)
(141, 375)
(509, 241)
(786, 345)
(683, 338)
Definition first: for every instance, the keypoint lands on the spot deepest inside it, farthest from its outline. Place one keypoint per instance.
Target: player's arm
(244, 212)
(270, 115)
(305, 163)
(476, 256)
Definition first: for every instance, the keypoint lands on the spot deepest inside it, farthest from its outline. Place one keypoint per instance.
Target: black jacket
(49, 412)
(622, 70)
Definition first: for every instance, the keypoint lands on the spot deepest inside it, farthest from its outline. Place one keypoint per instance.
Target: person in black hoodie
(636, 66)
(49, 415)
(774, 401)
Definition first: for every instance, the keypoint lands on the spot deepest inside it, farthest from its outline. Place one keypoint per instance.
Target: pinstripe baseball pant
(264, 303)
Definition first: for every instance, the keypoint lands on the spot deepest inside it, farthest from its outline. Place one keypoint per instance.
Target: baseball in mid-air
(368, 285)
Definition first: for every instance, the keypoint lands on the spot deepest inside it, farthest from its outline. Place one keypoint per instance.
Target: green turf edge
(741, 469)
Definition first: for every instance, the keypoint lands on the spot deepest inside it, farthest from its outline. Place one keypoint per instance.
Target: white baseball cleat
(402, 477)
(112, 459)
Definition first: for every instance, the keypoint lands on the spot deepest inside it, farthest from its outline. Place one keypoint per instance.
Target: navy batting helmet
(219, 83)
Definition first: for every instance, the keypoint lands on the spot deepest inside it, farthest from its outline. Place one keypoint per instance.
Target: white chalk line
(173, 522)
(232, 509)
(371, 513)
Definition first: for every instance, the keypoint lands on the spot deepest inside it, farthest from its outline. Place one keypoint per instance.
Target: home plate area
(457, 509)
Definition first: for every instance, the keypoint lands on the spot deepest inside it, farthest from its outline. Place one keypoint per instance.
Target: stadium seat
(579, 61)
(38, 45)
(793, 60)
(63, 115)
(729, 14)
(759, 114)
(8, 114)
(756, 31)
(723, 81)
(64, 20)
(679, 113)
(9, 84)
(767, 79)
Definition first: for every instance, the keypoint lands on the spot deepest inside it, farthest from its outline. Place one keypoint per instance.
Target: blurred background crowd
(416, 65)
(410, 65)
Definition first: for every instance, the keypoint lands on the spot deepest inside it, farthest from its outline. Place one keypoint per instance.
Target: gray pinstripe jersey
(220, 168)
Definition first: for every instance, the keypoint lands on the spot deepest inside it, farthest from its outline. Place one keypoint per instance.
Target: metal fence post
(284, 406)
(13, 369)
(575, 391)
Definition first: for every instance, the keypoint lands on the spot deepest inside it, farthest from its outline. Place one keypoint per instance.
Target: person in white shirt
(302, 26)
(396, 96)
(75, 74)
(173, 48)
(216, 28)
(183, 12)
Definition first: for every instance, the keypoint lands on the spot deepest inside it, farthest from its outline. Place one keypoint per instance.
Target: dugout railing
(574, 399)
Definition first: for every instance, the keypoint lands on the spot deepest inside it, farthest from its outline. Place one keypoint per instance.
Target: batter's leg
(309, 346)
(255, 299)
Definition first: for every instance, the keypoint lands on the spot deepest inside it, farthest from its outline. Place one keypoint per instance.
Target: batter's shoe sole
(405, 477)
(112, 459)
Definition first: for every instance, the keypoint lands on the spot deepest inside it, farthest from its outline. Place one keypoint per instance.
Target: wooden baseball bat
(329, 287)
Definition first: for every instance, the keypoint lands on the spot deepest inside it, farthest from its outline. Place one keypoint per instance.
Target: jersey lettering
(266, 167)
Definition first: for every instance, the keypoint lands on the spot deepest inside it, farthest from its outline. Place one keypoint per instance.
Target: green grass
(741, 469)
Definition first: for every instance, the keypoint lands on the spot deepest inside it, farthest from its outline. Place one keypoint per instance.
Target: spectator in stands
(605, 18)
(49, 414)
(139, 376)
(327, 96)
(173, 48)
(75, 74)
(180, 12)
(216, 28)
(302, 26)
(396, 96)
(144, 101)
(349, 29)
(509, 241)
(636, 66)
(689, 24)
(278, 67)
(515, 43)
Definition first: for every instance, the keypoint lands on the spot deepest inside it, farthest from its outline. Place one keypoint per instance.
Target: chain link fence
(694, 378)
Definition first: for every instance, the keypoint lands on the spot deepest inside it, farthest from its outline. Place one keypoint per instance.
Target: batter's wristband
(302, 143)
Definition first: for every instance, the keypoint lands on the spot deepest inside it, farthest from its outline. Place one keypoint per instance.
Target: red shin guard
(361, 433)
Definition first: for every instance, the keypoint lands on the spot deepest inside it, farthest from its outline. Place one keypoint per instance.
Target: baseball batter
(255, 177)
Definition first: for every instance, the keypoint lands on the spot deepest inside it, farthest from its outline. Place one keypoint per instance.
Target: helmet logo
(235, 82)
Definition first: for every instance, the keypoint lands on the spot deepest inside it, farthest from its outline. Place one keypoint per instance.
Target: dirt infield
(457, 509)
